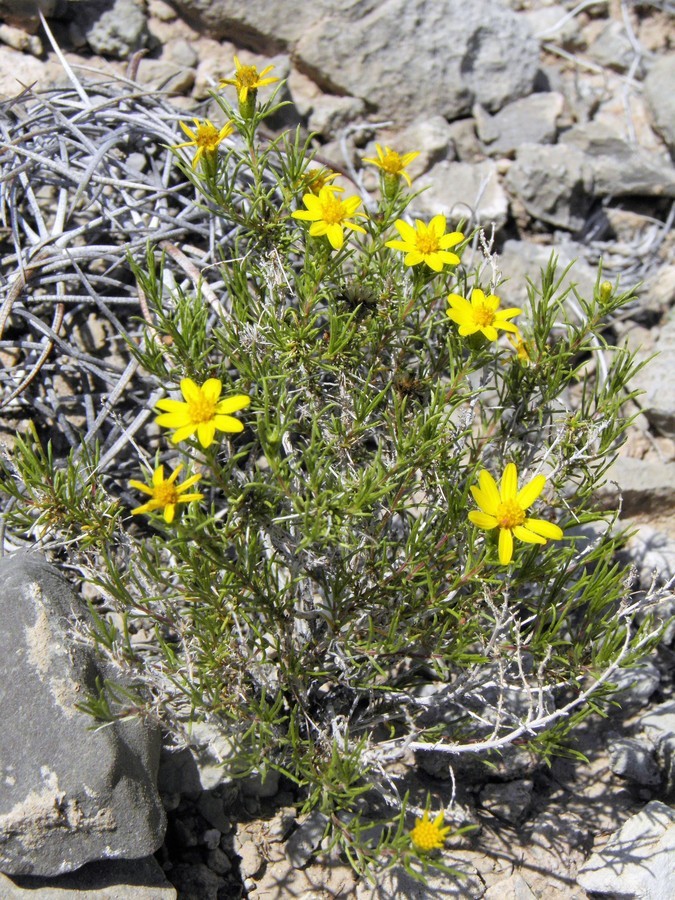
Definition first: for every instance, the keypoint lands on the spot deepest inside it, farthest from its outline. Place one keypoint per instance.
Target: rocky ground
(556, 123)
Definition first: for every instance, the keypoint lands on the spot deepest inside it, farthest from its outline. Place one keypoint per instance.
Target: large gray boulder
(70, 794)
(404, 58)
(413, 58)
(660, 96)
(638, 860)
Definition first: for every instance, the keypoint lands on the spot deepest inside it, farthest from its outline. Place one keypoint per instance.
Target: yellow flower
(427, 835)
(391, 162)
(203, 411)
(248, 79)
(316, 179)
(205, 138)
(481, 314)
(520, 346)
(165, 494)
(427, 243)
(329, 215)
(504, 508)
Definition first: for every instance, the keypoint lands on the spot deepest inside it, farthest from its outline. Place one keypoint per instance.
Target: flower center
(331, 211)
(166, 493)
(483, 316)
(247, 76)
(426, 836)
(392, 163)
(201, 410)
(509, 514)
(207, 137)
(427, 243)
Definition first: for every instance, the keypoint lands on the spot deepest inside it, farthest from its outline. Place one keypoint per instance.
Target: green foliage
(328, 605)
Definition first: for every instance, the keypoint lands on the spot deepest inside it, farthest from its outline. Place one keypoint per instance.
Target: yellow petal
(529, 493)
(490, 332)
(176, 472)
(546, 529)
(482, 500)
(232, 404)
(171, 405)
(183, 433)
(509, 486)
(188, 498)
(174, 419)
(449, 259)
(189, 390)
(398, 245)
(206, 432)
(434, 261)
(505, 546)
(212, 389)
(437, 225)
(489, 488)
(228, 423)
(482, 520)
(524, 534)
(451, 240)
(158, 476)
(414, 258)
(406, 231)
(336, 236)
(193, 479)
(139, 486)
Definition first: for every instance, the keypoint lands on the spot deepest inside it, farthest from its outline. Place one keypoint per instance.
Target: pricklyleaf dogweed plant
(332, 601)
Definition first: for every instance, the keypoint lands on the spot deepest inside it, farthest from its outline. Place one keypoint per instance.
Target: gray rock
(70, 794)
(113, 27)
(396, 883)
(212, 808)
(635, 686)
(159, 75)
(465, 141)
(136, 879)
(257, 786)
(634, 760)
(657, 382)
(640, 485)
(551, 23)
(438, 68)
(331, 114)
(211, 748)
(554, 184)
(510, 763)
(520, 260)
(263, 26)
(432, 138)
(638, 861)
(532, 120)
(306, 838)
(462, 190)
(178, 772)
(659, 726)
(513, 888)
(196, 882)
(251, 861)
(619, 168)
(652, 551)
(612, 47)
(510, 801)
(218, 861)
(19, 39)
(24, 13)
(658, 88)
